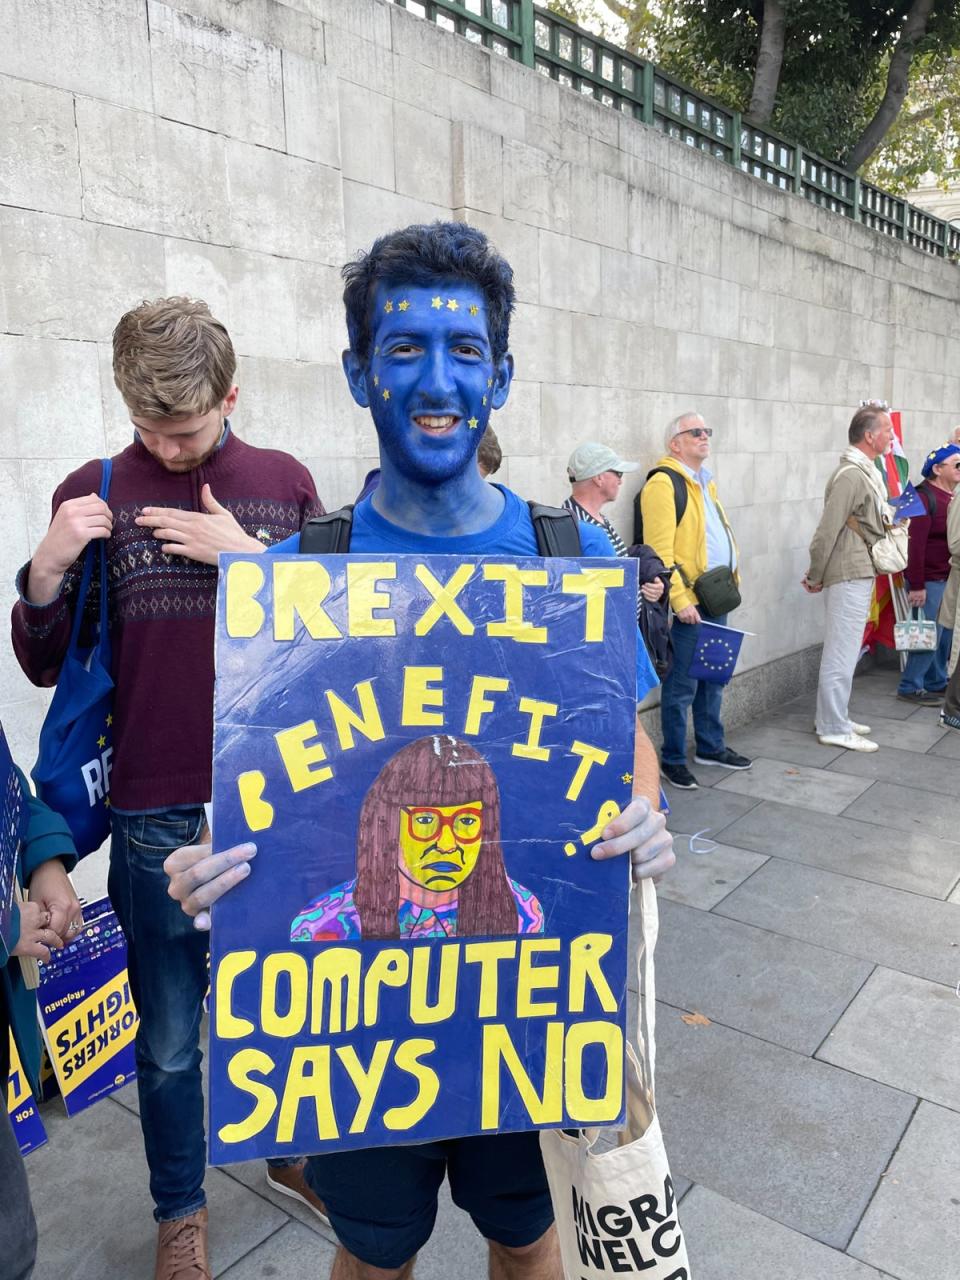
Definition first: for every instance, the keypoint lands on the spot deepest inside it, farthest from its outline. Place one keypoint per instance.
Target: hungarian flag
(894, 468)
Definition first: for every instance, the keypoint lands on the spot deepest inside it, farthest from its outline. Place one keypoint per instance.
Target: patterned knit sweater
(162, 611)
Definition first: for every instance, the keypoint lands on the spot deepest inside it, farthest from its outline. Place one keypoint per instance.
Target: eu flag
(909, 504)
(716, 653)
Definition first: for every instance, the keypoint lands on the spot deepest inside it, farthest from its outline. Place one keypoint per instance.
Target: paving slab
(291, 1251)
(797, 1140)
(776, 742)
(905, 1032)
(704, 877)
(919, 733)
(899, 930)
(867, 699)
(955, 896)
(253, 1175)
(925, 773)
(891, 805)
(948, 745)
(913, 1224)
(795, 784)
(917, 863)
(727, 1242)
(784, 991)
(706, 809)
(93, 1207)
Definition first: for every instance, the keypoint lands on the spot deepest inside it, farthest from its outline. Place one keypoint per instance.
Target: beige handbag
(889, 553)
(616, 1210)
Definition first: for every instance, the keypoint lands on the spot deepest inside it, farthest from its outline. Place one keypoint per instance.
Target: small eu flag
(716, 653)
(909, 503)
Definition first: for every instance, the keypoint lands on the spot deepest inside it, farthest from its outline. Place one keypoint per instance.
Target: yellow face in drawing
(439, 844)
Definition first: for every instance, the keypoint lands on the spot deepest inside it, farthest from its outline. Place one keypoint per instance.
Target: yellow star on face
(472, 423)
(453, 304)
(101, 741)
(376, 379)
(627, 777)
(436, 303)
(376, 351)
(109, 721)
(106, 803)
(388, 306)
(386, 394)
(484, 399)
(474, 309)
(489, 382)
(403, 306)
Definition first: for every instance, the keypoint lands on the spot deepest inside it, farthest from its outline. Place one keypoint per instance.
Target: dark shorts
(382, 1202)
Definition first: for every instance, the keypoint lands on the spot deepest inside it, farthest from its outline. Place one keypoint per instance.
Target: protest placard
(424, 749)
(13, 828)
(27, 1126)
(87, 1013)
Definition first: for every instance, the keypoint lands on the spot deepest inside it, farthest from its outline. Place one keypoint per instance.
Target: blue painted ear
(356, 374)
(502, 377)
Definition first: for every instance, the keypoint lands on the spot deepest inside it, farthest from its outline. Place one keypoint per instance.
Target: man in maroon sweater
(186, 489)
(928, 567)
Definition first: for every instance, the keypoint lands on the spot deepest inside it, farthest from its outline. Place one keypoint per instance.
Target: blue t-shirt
(511, 534)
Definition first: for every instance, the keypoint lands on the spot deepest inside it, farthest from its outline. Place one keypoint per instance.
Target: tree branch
(898, 81)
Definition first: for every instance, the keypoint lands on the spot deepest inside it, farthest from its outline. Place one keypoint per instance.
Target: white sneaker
(862, 729)
(852, 741)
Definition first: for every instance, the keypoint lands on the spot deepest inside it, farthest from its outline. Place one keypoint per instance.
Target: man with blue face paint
(428, 312)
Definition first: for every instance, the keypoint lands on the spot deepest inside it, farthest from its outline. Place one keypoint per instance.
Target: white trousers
(847, 609)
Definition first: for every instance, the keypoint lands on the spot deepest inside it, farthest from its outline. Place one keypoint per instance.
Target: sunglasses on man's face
(697, 432)
(618, 474)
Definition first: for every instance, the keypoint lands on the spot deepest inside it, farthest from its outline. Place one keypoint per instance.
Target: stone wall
(240, 149)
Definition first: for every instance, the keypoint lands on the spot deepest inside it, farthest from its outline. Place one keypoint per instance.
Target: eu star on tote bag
(72, 773)
(616, 1210)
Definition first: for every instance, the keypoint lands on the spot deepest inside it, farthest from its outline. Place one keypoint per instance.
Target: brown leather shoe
(288, 1179)
(182, 1249)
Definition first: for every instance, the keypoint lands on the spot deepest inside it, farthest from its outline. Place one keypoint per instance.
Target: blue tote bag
(72, 773)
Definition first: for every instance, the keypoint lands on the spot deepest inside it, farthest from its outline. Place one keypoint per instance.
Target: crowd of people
(428, 312)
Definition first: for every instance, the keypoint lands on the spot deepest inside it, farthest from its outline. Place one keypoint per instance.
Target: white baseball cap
(591, 459)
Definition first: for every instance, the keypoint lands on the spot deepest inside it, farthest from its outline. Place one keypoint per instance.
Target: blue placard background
(13, 828)
(267, 685)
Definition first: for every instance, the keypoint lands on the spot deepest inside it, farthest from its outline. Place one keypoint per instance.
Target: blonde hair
(171, 357)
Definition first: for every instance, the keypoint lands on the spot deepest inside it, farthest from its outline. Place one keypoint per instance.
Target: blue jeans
(680, 691)
(928, 670)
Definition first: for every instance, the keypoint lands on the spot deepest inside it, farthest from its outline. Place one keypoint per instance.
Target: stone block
(704, 878)
(896, 806)
(41, 376)
(304, 409)
(707, 811)
(698, 366)
(931, 775)
(724, 1239)
(369, 211)
(773, 741)
(310, 109)
(96, 47)
(654, 226)
(138, 171)
(536, 187)
(423, 150)
(320, 322)
(534, 93)
(285, 205)
(542, 341)
(366, 136)
(598, 208)
(518, 243)
(429, 45)
(629, 285)
(794, 784)
(66, 278)
(40, 478)
(473, 106)
(912, 1227)
(896, 929)
(362, 62)
(215, 78)
(477, 169)
(22, 710)
(947, 745)
(904, 1032)
(293, 1250)
(38, 148)
(117, 426)
(720, 307)
(518, 426)
(570, 274)
(592, 118)
(809, 1157)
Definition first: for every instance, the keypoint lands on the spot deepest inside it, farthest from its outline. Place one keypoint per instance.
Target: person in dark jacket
(50, 918)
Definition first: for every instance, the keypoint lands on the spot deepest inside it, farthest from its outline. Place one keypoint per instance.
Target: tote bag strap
(87, 575)
(646, 985)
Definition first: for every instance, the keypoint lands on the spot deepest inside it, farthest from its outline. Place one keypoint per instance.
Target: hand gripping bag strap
(327, 535)
(72, 773)
(638, 1234)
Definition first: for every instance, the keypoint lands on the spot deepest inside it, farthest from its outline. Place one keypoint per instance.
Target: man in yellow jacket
(687, 528)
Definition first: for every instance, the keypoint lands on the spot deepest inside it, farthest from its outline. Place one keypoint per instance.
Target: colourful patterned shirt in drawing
(333, 917)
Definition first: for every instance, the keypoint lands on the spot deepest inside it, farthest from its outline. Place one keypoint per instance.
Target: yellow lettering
(444, 600)
(292, 965)
(488, 955)
(239, 1069)
(363, 597)
(479, 704)
(308, 1078)
(299, 758)
(388, 968)
(542, 1109)
(365, 1081)
(515, 626)
(530, 979)
(419, 693)
(257, 812)
(228, 1025)
(299, 590)
(366, 720)
(407, 1059)
(579, 1106)
(421, 1010)
(586, 952)
(589, 756)
(245, 614)
(336, 969)
(538, 712)
(594, 585)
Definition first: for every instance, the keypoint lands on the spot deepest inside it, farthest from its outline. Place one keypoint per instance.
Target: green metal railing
(557, 48)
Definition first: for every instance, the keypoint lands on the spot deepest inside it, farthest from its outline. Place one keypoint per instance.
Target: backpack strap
(327, 535)
(557, 530)
(929, 500)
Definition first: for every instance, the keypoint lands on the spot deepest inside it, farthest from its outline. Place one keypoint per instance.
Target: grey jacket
(837, 554)
(948, 607)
